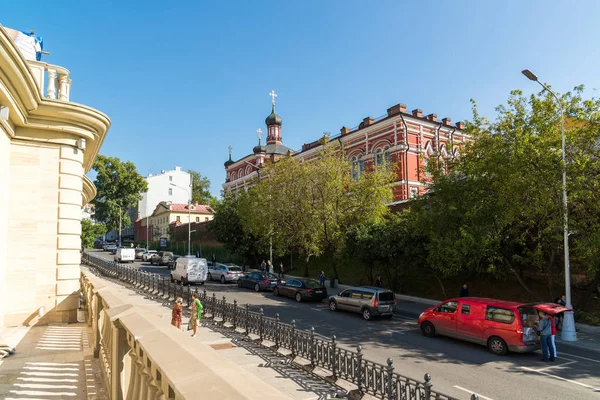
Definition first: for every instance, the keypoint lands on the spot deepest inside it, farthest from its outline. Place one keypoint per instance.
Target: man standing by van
(544, 327)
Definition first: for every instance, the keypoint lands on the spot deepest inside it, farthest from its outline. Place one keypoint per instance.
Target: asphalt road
(457, 368)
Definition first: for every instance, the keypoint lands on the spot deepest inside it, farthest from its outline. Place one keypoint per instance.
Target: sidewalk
(51, 361)
(588, 337)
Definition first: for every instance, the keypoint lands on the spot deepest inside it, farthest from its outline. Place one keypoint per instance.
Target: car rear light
(266, 281)
(375, 303)
(520, 335)
(228, 273)
(394, 300)
(309, 291)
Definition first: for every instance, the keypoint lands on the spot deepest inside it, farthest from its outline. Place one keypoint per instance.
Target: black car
(259, 281)
(301, 289)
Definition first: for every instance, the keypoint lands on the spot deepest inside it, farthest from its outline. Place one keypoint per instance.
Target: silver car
(366, 300)
(224, 273)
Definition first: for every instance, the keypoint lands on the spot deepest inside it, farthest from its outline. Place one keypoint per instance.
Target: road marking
(316, 309)
(558, 365)
(472, 392)
(573, 355)
(560, 378)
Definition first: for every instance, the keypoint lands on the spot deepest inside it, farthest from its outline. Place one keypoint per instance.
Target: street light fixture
(189, 190)
(568, 330)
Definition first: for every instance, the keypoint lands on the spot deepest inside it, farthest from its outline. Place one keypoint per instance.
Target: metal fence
(375, 379)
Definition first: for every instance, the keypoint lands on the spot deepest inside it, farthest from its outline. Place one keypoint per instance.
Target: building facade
(407, 140)
(47, 145)
(165, 215)
(171, 186)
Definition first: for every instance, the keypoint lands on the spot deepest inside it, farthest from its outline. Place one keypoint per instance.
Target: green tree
(119, 187)
(200, 188)
(90, 231)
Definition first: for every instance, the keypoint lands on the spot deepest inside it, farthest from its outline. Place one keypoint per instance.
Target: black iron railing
(375, 379)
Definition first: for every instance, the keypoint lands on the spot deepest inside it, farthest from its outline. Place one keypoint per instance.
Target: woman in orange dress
(177, 313)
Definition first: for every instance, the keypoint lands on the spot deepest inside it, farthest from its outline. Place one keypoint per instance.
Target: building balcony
(53, 81)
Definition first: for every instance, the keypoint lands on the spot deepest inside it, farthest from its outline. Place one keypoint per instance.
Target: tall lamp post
(189, 190)
(568, 330)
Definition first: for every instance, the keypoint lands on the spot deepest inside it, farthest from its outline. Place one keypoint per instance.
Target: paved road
(457, 368)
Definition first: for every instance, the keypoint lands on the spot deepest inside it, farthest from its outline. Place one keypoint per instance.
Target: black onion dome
(259, 149)
(273, 119)
(228, 162)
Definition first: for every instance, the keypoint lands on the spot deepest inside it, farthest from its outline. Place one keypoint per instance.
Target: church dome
(259, 149)
(273, 119)
(228, 162)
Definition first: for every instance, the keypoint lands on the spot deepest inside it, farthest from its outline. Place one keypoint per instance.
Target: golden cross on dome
(273, 95)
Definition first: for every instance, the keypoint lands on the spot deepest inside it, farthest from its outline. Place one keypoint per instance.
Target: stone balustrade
(53, 81)
(144, 357)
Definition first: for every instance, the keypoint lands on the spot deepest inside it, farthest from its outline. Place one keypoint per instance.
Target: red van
(500, 325)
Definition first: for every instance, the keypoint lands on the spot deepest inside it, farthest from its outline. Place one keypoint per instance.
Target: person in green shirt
(195, 313)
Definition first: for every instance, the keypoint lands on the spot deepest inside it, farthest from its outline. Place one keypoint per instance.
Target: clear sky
(182, 80)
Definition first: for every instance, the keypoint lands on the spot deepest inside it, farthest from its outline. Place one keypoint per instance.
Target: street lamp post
(189, 190)
(568, 329)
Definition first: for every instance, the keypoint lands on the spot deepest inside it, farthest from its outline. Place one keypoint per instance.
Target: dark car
(171, 262)
(259, 281)
(161, 258)
(301, 289)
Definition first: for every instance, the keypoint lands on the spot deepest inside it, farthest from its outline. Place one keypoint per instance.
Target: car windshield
(235, 269)
(269, 276)
(386, 296)
(312, 284)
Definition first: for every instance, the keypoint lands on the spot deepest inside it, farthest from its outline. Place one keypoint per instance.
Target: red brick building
(407, 140)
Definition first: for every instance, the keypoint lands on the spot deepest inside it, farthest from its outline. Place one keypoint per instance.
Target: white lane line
(573, 355)
(316, 309)
(472, 392)
(560, 378)
(558, 365)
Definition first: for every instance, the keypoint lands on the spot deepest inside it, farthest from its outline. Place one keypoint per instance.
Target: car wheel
(239, 284)
(298, 297)
(333, 305)
(222, 279)
(428, 329)
(366, 313)
(209, 277)
(257, 288)
(276, 292)
(497, 346)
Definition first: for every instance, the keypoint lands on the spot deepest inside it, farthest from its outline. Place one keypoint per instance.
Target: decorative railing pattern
(53, 81)
(375, 379)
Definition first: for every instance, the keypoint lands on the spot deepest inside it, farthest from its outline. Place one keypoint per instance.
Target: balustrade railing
(53, 81)
(370, 377)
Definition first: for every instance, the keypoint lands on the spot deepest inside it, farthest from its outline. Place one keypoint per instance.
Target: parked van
(189, 270)
(125, 254)
(500, 325)
(368, 301)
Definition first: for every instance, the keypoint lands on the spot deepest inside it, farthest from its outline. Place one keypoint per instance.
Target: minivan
(189, 269)
(500, 325)
(125, 254)
(368, 301)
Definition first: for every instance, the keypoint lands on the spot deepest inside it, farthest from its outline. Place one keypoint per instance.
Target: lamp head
(530, 75)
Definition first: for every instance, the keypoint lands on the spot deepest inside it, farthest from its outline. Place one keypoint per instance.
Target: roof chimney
(367, 121)
(460, 125)
(432, 117)
(447, 121)
(417, 112)
(344, 130)
(397, 109)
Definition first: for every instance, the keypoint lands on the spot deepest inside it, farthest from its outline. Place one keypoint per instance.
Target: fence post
(213, 305)
(334, 357)
(234, 316)
(312, 346)
(390, 380)
(261, 324)
(224, 313)
(247, 318)
(359, 372)
(293, 339)
(428, 386)
(474, 397)
(277, 330)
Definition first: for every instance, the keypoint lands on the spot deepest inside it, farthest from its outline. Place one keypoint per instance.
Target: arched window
(382, 156)
(233, 176)
(354, 168)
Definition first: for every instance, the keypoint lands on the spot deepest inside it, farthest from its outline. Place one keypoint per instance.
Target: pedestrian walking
(214, 259)
(464, 291)
(281, 270)
(269, 266)
(553, 337)
(195, 313)
(177, 313)
(378, 281)
(544, 328)
(322, 278)
(263, 266)
(197, 254)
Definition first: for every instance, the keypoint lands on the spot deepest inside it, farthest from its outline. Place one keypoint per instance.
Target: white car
(189, 270)
(224, 273)
(125, 254)
(148, 254)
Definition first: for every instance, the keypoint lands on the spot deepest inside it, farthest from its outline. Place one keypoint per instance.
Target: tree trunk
(581, 303)
(437, 278)
(520, 280)
(334, 267)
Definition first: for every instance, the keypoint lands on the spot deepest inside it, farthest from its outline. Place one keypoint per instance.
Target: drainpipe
(452, 142)
(405, 152)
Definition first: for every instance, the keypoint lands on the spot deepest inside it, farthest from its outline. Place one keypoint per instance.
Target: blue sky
(182, 80)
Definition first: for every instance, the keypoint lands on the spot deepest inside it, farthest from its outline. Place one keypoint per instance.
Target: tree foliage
(119, 187)
(200, 188)
(90, 231)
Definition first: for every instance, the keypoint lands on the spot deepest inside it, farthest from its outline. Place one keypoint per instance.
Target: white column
(63, 87)
(51, 84)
